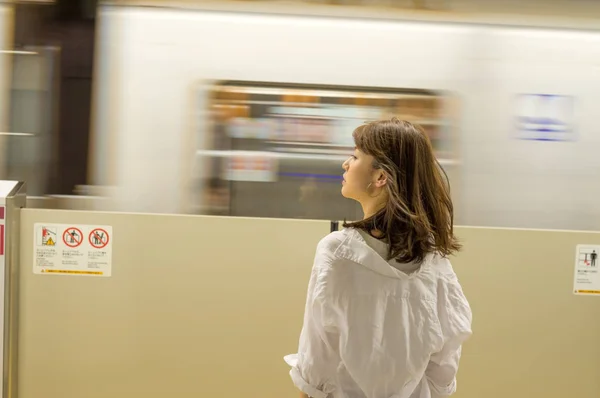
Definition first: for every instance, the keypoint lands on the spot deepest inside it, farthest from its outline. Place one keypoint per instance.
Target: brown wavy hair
(418, 217)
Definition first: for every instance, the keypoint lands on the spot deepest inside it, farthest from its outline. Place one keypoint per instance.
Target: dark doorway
(65, 32)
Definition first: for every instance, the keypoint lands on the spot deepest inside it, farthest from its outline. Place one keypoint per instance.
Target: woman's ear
(381, 179)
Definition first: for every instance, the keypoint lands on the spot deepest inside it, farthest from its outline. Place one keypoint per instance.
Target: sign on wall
(587, 264)
(61, 249)
(545, 117)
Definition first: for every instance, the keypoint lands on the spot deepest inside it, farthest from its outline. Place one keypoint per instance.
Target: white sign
(545, 117)
(251, 168)
(72, 249)
(587, 265)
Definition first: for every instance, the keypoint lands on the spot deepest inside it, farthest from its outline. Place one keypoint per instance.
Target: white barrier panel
(208, 306)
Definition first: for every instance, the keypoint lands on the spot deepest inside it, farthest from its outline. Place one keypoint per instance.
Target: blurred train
(243, 114)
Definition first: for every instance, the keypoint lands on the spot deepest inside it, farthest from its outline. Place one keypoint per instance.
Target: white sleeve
(317, 362)
(455, 319)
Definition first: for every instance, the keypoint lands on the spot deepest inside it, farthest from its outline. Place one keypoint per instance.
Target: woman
(385, 315)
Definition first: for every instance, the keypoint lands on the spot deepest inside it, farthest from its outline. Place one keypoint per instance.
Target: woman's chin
(344, 192)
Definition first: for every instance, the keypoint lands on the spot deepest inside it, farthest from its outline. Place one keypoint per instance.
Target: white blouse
(379, 329)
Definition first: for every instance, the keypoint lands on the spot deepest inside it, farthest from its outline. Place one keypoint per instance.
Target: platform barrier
(206, 306)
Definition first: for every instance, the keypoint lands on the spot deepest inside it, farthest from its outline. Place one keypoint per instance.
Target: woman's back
(386, 317)
(372, 330)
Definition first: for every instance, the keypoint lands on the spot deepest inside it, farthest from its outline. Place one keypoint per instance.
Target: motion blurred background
(246, 108)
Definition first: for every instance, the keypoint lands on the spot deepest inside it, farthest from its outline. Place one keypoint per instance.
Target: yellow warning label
(58, 271)
(588, 291)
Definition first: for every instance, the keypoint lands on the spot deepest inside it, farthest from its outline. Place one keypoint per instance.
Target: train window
(276, 150)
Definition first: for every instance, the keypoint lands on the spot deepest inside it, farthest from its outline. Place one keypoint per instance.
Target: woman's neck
(370, 209)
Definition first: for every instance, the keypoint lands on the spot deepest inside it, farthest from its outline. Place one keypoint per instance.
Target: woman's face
(359, 173)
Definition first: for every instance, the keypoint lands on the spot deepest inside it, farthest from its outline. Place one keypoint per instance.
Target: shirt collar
(354, 248)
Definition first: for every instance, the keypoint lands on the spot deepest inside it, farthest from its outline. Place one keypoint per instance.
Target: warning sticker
(99, 238)
(62, 249)
(73, 237)
(587, 265)
(47, 236)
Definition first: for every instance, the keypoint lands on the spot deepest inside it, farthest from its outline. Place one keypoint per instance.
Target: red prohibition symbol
(72, 237)
(99, 238)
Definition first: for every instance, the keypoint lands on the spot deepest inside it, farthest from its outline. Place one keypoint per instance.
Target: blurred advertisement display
(250, 168)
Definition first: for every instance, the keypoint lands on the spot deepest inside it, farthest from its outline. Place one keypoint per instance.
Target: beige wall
(532, 336)
(200, 306)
